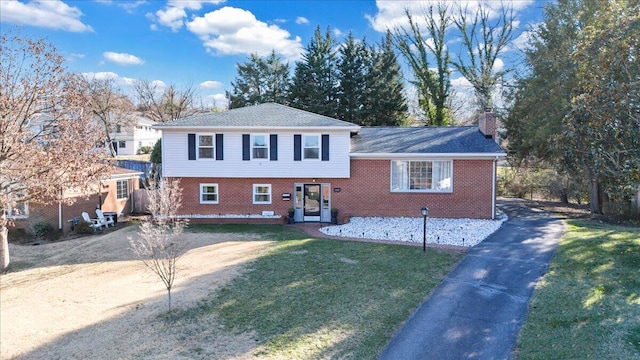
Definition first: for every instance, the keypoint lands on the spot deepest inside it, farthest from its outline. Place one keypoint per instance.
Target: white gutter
(457, 156)
(301, 128)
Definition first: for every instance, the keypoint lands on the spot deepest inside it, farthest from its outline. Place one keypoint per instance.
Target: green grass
(588, 305)
(319, 299)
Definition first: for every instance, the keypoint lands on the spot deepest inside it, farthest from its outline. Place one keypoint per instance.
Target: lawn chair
(105, 220)
(95, 223)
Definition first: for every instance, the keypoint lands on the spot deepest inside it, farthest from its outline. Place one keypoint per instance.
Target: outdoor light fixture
(425, 213)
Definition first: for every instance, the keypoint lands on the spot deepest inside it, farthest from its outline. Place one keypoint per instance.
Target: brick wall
(366, 193)
(49, 212)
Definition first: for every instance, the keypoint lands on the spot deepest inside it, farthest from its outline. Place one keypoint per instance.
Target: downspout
(493, 190)
(59, 214)
(131, 205)
(60, 210)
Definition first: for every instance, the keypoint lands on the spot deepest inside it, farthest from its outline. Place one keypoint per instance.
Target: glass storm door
(312, 202)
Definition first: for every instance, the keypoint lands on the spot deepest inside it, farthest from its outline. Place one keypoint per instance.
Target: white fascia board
(258, 128)
(458, 156)
(126, 176)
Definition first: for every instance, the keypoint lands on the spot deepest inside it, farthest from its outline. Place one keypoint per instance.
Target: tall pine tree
(260, 80)
(385, 102)
(352, 70)
(315, 81)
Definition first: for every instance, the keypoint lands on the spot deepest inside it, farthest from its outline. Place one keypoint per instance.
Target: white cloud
(236, 31)
(75, 56)
(126, 5)
(302, 20)
(122, 58)
(498, 65)
(158, 84)
(172, 17)
(337, 32)
(174, 14)
(219, 101)
(460, 82)
(210, 84)
(104, 75)
(391, 14)
(53, 14)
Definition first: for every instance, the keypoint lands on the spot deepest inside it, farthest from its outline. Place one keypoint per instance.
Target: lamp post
(425, 213)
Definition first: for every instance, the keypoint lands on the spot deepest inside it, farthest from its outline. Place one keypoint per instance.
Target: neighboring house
(257, 162)
(111, 195)
(128, 141)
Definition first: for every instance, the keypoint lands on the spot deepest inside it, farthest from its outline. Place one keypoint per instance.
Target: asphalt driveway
(478, 309)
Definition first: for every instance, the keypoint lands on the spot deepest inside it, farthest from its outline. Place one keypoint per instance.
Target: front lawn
(311, 298)
(588, 304)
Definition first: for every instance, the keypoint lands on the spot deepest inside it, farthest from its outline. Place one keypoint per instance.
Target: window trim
(303, 147)
(267, 140)
(433, 189)
(118, 190)
(217, 193)
(255, 193)
(10, 215)
(212, 147)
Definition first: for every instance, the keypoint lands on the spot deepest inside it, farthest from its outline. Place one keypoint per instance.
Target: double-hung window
(206, 147)
(311, 147)
(122, 189)
(208, 193)
(261, 193)
(421, 176)
(260, 146)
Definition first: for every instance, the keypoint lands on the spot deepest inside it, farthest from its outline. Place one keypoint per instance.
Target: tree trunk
(4, 249)
(595, 196)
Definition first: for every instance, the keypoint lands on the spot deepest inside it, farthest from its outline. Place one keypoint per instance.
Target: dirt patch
(91, 298)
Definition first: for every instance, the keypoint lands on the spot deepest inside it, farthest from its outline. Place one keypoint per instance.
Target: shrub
(145, 150)
(623, 210)
(43, 229)
(156, 153)
(83, 227)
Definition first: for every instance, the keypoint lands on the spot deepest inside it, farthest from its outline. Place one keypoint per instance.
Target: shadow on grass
(589, 304)
(307, 298)
(328, 299)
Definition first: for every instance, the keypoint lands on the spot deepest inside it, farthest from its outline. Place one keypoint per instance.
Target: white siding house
(128, 141)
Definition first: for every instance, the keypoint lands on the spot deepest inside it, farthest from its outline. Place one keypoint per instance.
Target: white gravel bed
(460, 232)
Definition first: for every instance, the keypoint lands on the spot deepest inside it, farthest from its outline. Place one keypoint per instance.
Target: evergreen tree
(385, 102)
(260, 80)
(352, 70)
(583, 69)
(315, 80)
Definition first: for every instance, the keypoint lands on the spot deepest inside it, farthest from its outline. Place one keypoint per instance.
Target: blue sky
(199, 42)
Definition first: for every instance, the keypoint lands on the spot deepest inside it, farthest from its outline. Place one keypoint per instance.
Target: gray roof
(262, 115)
(416, 140)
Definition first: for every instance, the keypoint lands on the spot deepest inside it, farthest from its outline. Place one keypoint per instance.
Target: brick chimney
(487, 124)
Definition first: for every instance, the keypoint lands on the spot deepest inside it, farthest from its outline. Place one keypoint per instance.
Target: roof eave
(458, 156)
(262, 128)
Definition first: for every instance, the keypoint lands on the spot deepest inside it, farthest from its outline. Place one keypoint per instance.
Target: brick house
(255, 163)
(111, 195)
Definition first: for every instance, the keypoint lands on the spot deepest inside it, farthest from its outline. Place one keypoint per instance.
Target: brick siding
(366, 193)
(49, 212)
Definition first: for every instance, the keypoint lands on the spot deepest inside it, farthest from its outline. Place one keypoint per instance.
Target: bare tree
(158, 244)
(483, 42)
(111, 108)
(434, 86)
(165, 104)
(48, 141)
